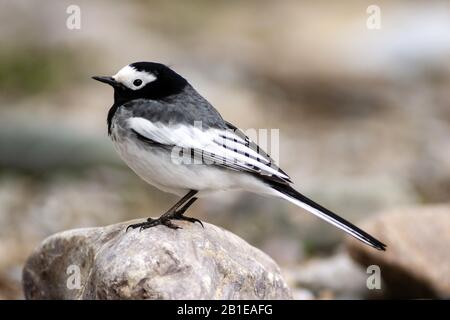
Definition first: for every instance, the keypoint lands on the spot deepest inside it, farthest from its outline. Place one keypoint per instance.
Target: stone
(156, 263)
(337, 274)
(417, 261)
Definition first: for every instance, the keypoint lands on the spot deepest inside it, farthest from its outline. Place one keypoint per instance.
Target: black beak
(107, 80)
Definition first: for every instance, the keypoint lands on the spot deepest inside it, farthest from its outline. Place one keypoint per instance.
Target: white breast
(155, 166)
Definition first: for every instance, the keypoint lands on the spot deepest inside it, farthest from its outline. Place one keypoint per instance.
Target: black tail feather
(328, 216)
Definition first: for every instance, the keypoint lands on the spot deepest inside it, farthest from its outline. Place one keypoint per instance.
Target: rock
(302, 294)
(157, 263)
(337, 276)
(417, 261)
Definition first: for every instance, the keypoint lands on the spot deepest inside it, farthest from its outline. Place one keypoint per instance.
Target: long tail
(290, 194)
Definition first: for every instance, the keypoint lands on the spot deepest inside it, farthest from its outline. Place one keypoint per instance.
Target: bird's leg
(179, 213)
(175, 212)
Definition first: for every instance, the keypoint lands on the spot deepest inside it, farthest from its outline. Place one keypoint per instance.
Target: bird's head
(144, 80)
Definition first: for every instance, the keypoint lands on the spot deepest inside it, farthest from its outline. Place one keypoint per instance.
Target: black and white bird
(174, 139)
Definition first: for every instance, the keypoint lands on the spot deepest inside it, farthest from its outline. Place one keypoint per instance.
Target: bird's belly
(156, 166)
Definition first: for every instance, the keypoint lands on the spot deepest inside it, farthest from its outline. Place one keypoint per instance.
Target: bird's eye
(137, 82)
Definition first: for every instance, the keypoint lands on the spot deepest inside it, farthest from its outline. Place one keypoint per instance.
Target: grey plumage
(185, 107)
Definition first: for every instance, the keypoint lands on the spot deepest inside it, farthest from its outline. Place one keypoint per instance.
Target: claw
(194, 220)
(164, 221)
(201, 223)
(152, 223)
(134, 226)
(180, 216)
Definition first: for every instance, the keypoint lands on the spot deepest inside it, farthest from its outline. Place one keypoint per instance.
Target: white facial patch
(128, 76)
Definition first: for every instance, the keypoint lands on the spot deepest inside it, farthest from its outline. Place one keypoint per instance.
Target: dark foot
(165, 218)
(179, 216)
(152, 223)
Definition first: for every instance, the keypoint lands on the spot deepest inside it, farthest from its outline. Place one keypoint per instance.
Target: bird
(175, 140)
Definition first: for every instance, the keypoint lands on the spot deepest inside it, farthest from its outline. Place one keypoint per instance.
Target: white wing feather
(232, 148)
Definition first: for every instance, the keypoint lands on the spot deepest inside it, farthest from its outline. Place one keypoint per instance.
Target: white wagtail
(156, 111)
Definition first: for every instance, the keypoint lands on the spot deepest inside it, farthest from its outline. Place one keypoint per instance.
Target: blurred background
(363, 114)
